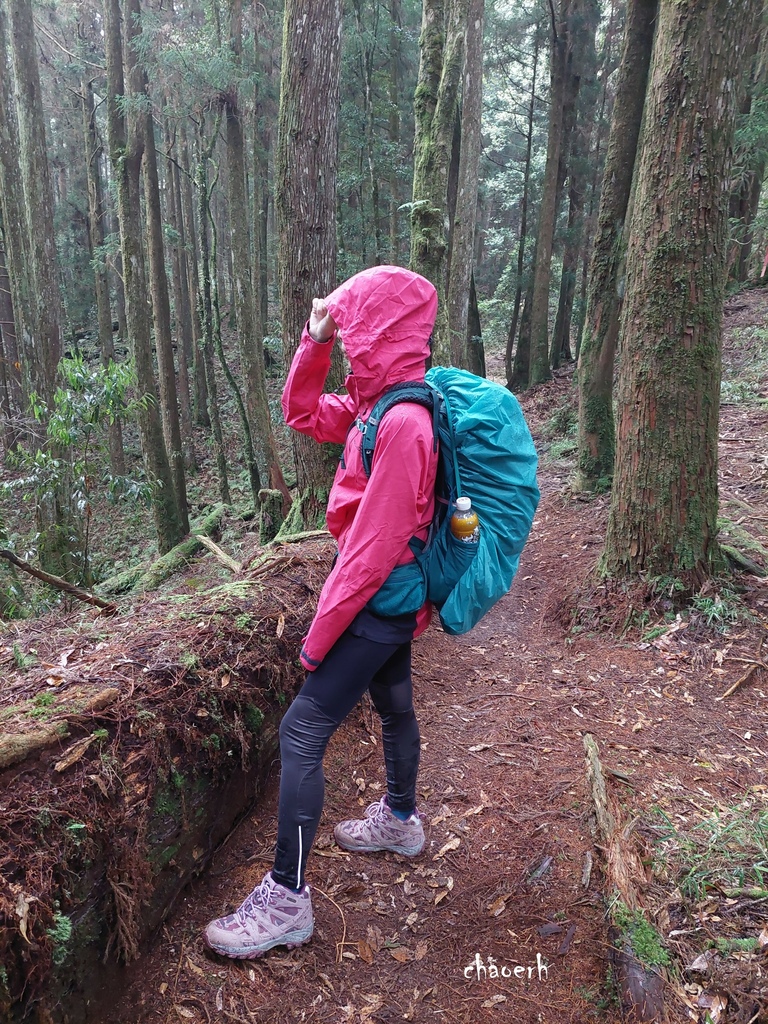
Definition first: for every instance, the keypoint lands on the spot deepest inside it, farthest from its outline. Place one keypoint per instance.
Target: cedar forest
(581, 180)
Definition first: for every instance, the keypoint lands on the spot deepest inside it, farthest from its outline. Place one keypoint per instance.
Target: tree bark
(305, 200)
(126, 152)
(606, 285)
(463, 233)
(441, 60)
(663, 517)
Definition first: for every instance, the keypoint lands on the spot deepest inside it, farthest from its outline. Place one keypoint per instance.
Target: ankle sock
(401, 815)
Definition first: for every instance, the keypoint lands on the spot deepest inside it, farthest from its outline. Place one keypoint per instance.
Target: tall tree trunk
(183, 313)
(517, 375)
(663, 517)
(584, 68)
(746, 197)
(96, 215)
(598, 345)
(539, 364)
(38, 200)
(250, 330)
(441, 59)
(305, 200)
(460, 275)
(200, 390)
(207, 269)
(596, 160)
(367, 56)
(138, 85)
(12, 395)
(126, 147)
(15, 233)
(395, 201)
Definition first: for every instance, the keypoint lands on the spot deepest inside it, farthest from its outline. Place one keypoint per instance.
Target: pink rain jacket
(385, 315)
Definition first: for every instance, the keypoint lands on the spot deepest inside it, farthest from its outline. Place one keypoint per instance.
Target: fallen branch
(754, 664)
(222, 556)
(641, 988)
(57, 582)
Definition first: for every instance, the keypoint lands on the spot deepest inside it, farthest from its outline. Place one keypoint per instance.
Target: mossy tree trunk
(465, 217)
(606, 284)
(663, 516)
(441, 46)
(305, 201)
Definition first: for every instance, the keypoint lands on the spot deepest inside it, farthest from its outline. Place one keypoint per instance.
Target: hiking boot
(271, 916)
(381, 830)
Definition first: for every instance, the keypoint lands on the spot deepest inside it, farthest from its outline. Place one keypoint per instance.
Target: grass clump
(728, 849)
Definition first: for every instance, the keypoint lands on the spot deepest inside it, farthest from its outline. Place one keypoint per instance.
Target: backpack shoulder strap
(417, 392)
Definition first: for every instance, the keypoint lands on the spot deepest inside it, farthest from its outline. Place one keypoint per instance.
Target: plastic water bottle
(465, 525)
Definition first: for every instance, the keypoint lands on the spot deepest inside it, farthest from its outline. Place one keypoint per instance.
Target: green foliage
(42, 705)
(719, 610)
(727, 848)
(643, 937)
(21, 660)
(60, 935)
(64, 466)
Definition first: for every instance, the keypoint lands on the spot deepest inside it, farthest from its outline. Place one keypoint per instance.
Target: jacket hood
(386, 315)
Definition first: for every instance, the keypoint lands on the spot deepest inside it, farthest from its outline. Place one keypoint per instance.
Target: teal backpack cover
(487, 455)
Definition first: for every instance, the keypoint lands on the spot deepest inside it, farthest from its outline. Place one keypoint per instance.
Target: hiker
(385, 316)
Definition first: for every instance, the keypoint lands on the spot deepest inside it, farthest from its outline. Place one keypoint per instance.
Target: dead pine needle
(339, 945)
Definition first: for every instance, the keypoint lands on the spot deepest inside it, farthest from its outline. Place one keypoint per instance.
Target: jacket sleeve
(305, 407)
(398, 503)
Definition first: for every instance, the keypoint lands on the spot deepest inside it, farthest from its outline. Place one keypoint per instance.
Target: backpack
(486, 454)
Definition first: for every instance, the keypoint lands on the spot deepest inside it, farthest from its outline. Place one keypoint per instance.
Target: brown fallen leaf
(498, 906)
(452, 844)
(375, 937)
(365, 951)
(401, 954)
(421, 951)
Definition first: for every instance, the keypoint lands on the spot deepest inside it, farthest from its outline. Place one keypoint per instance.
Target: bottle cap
(463, 504)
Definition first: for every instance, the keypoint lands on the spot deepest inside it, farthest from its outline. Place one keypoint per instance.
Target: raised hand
(322, 326)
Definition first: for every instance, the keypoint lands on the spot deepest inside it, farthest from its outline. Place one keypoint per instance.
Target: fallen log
(636, 953)
(149, 576)
(161, 739)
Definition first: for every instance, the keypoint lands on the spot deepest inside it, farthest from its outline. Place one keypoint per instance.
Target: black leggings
(353, 665)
